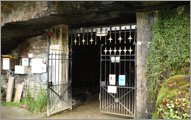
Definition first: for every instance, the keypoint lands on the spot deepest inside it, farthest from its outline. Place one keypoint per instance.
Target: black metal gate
(59, 83)
(117, 75)
(117, 65)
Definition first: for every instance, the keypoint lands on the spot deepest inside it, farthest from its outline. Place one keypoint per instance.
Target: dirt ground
(87, 110)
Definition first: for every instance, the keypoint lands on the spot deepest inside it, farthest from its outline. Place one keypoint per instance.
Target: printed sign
(121, 80)
(111, 89)
(115, 59)
(25, 61)
(112, 59)
(112, 80)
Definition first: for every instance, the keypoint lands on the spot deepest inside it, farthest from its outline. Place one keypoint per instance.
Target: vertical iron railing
(120, 42)
(122, 102)
(59, 83)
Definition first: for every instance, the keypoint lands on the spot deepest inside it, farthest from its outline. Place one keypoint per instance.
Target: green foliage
(39, 103)
(173, 100)
(13, 104)
(35, 105)
(169, 53)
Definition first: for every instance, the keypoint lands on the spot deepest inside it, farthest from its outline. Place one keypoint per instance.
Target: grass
(38, 104)
(35, 105)
(13, 104)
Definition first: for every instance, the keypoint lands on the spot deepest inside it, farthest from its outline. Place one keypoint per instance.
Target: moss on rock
(173, 98)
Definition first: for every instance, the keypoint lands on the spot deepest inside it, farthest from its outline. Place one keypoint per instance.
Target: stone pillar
(144, 34)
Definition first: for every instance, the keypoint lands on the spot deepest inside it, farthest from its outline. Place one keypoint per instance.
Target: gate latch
(50, 83)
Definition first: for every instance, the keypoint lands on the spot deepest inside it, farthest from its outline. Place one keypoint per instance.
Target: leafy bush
(169, 53)
(173, 100)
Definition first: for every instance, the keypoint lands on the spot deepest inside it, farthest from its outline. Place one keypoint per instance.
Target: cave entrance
(103, 67)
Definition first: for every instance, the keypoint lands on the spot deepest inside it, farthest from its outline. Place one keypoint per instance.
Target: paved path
(87, 110)
(8, 112)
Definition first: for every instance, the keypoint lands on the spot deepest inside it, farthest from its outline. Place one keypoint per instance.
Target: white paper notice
(37, 65)
(112, 59)
(117, 59)
(121, 80)
(6, 63)
(111, 89)
(112, 80)
(25, 61)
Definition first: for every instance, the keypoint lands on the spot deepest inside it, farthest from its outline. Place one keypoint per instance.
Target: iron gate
(117, 76)
(117, 61)
(59, 84)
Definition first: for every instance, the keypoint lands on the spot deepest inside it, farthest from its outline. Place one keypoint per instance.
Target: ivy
(169, 53)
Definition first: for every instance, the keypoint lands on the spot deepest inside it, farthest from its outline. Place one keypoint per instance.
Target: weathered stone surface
(22, 11)
(75, 14)
(144, 34)
(38, 47)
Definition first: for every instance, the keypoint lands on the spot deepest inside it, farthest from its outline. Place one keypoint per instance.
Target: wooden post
(18, 92)
(10, 89)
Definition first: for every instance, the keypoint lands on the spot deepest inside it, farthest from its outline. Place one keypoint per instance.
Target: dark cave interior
(86, 63)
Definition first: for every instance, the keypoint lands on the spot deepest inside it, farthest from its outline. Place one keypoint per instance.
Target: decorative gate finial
(110, 50)
(130, 50)
(125, 50)
(119, 50)
(115, 50)
(105, 51)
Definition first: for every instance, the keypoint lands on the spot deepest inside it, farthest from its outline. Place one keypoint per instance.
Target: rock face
(22, 11)
(21, 20)
(37, 46)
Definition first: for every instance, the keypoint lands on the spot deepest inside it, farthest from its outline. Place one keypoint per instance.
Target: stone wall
(37, 46)
(33, 82)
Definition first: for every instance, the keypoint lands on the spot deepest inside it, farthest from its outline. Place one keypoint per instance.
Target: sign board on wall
(20, 69)
(38, 66)
(8, 64)
(25, 61)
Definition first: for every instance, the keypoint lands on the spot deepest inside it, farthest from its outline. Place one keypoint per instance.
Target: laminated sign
(112, 80)
(111, 89)
(121, 80)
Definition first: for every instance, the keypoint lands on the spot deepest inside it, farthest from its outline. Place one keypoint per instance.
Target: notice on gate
(111, 89)
(121, 80)
(112, 80)
(115, 59)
